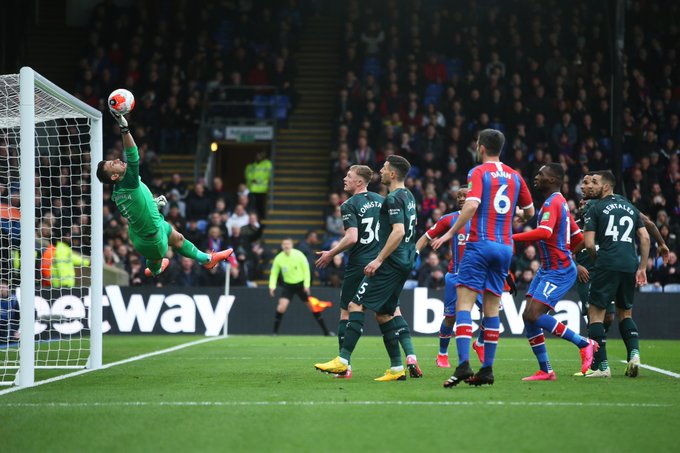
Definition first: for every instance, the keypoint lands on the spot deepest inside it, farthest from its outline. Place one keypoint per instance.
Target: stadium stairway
(301, 163)
(178, 163)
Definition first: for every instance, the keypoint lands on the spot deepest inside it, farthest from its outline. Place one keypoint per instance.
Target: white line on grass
(112, 364)
(658, 370)
(331, 403)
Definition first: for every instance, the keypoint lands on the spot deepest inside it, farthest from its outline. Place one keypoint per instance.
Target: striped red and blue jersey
(499, 190)
(458, 242)
(554, 216)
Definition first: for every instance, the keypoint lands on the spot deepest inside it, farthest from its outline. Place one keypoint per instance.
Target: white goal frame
(29, 80)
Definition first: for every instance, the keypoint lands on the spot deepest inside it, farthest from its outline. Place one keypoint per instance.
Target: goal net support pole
(29, 81)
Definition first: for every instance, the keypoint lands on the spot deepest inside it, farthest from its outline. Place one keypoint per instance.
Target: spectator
(238, 218)
(188, 275)
(431, 273)
(199, 204)
(334, 228)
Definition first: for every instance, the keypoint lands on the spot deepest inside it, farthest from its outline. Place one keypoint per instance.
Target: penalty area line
(112, 364)
(658, 370)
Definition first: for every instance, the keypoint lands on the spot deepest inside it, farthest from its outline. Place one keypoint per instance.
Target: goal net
(50, 229)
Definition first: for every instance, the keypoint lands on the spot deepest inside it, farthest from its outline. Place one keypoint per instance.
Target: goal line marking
(658, 370)
(112, 364)
(333, 403)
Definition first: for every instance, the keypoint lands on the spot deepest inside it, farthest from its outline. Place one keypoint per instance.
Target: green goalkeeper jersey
(134, 199)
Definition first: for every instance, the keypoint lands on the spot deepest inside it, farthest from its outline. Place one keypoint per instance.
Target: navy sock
(445, 334)
(537, 343)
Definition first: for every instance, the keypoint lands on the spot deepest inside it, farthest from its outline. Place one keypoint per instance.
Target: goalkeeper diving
(149, 232)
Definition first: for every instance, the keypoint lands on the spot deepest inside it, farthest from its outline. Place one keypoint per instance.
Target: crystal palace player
(495, 190)
(148, 230)
(457, 251)
(555, 232)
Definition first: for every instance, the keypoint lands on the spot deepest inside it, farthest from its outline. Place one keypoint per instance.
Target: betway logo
(179, 317)
(69, 314)
(429, 312)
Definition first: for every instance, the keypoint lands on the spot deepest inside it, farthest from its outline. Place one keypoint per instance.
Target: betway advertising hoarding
(250, 311)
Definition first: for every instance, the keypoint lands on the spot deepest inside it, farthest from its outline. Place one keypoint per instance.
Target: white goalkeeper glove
(161, 201)
(122, 122)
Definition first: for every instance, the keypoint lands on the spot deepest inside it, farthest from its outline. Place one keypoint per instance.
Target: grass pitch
(262, 394)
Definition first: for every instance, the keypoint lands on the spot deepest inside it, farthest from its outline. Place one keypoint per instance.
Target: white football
(121, 101)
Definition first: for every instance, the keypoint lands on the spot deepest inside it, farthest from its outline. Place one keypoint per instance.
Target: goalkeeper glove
(122, 122)
(161, 201)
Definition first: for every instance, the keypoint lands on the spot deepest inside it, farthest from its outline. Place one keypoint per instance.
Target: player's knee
(530, 314)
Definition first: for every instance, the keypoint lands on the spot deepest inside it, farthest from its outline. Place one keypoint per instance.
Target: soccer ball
(121, 101)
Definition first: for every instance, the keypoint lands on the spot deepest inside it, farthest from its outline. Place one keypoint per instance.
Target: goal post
(51, 143)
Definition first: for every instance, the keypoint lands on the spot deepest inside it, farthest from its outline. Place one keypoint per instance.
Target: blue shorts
(548, 286)
(450, 295)
(485, 266)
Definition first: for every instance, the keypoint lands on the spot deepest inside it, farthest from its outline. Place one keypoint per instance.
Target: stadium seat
(261, 104)
(497, 125)
(628, 161)
(434, 90)
(281, 107)
(672, 288)
(651, 288)
(371, 66)
(606, 144)
(454, 66)
(427, 100)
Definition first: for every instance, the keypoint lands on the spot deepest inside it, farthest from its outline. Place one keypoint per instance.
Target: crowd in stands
(170, 58)
(420, 79)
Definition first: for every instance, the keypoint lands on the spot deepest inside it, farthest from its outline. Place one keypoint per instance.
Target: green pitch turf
(262, 394)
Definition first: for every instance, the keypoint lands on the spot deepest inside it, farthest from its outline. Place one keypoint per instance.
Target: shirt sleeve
(524, 200)
(395, 210)
(549, 215)
(475, 185)
(131, 178)
(441, 227)
(349, 216)
(590, 220)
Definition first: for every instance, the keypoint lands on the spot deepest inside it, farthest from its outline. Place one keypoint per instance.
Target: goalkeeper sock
(404, 335)
(154, 266)
(342, 328)
(190, 251)
(629, 334)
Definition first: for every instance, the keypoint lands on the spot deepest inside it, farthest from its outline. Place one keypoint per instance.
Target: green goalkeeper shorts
(154, 244)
